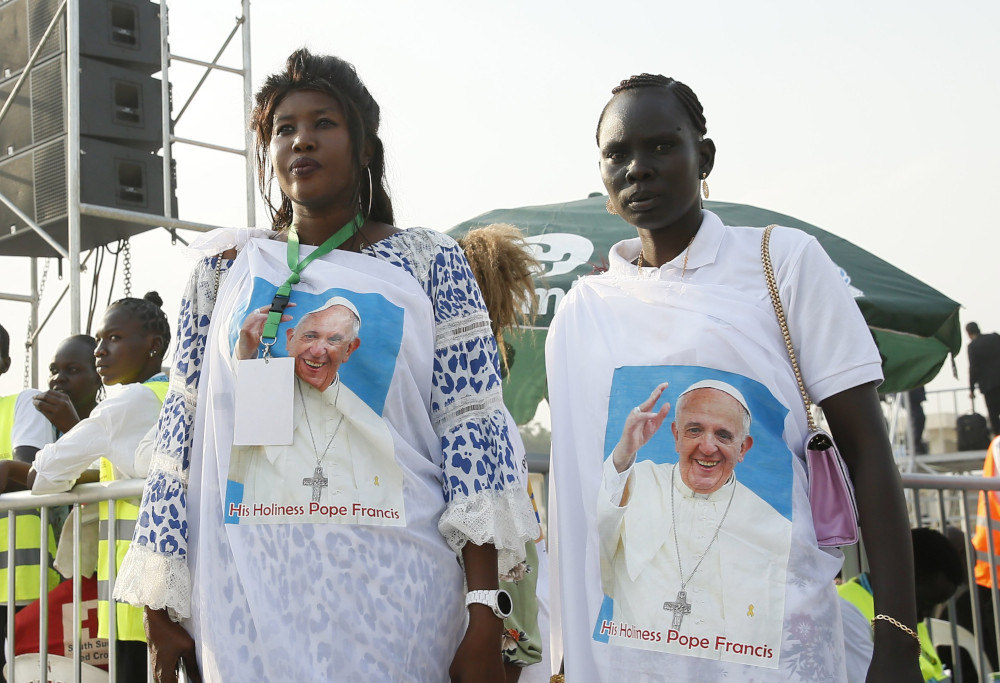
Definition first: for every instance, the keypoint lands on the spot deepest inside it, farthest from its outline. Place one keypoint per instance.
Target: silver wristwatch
(499, 601)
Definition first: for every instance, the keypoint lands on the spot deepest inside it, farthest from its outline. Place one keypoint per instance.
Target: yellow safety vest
(988, 505)
(930, 664)
(129, 618)
(27, 552)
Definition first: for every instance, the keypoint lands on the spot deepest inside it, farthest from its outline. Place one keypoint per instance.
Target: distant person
(938, 571)
(965, 607)
(23, 431)
(987, 569)
(918, 420)
(984, 370)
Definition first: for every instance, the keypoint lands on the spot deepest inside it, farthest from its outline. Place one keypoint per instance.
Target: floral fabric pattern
(482, 473)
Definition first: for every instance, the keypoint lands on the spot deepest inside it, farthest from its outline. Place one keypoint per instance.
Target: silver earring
(152, 354)
(367, 168)
(704, 185)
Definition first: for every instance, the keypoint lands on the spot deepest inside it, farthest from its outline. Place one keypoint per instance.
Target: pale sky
(872, 120)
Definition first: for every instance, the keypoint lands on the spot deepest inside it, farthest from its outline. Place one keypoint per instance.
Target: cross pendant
(318, 483)
(679, 607)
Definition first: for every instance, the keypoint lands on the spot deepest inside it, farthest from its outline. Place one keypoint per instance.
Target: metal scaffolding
(69, 10)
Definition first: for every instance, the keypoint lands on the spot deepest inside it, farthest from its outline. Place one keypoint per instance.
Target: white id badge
(265, 394)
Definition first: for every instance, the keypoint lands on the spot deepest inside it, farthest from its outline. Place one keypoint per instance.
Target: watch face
(504, 603)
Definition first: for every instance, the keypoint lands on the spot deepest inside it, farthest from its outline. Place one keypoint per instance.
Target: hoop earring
(370, 195)
(704, 185)
(611, 209)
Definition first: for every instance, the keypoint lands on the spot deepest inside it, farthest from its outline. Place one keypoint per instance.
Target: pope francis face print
(711, 429)
(322, 340)
(689, 554)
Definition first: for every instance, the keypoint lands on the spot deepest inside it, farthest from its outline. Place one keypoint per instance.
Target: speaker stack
(120, 121)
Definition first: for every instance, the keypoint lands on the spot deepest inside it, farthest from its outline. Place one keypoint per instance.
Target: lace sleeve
(484, 474)
(155, 571)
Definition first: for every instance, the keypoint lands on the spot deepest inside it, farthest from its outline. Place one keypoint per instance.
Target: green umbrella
(914, 325)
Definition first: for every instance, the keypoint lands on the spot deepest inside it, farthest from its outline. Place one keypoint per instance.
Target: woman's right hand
(169, 644)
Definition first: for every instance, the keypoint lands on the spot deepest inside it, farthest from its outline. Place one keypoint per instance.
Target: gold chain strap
(772, 287)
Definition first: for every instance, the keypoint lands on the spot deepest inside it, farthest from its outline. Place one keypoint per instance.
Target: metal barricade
(84, 493)
(940, 501)
(936, 501)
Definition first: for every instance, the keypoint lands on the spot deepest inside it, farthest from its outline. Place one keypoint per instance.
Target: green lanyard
(280, 301)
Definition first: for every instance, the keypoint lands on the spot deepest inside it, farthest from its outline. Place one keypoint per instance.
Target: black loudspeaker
(111, 175)
(116, 104)
(122, 32)
(22, 25)
(120, 120)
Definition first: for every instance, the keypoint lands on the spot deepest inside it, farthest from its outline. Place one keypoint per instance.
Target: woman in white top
(131, 339)
(683, 302)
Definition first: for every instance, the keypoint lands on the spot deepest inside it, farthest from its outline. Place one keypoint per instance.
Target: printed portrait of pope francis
(686, 548)
(342, 452)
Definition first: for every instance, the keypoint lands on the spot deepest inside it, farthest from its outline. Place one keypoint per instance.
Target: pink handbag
(831, 493)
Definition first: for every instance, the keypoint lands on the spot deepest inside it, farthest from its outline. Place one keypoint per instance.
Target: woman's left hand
(58, 409)
(478, 657)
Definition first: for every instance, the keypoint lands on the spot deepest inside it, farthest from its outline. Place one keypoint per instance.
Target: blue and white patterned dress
(321, 602)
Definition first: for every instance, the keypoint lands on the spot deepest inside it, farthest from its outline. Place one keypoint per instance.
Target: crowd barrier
(936, 501)
(80, 495)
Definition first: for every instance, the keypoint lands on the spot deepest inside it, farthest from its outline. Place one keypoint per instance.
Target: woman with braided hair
(686, 304)
(131, 341)
(357, 578)
(132, 338)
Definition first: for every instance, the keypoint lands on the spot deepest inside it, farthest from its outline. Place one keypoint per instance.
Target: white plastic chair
(940, 632)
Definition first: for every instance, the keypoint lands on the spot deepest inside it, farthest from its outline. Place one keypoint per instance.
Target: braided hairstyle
(149, 312)
(684, 94)
(334, 77)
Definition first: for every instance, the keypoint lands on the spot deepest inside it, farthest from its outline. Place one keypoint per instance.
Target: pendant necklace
(687, 250)
(318, 480)
(681, 606)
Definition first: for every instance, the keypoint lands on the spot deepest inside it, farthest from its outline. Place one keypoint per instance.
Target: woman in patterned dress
(338, 601)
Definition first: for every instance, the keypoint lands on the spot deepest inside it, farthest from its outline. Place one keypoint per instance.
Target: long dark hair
(338, 79)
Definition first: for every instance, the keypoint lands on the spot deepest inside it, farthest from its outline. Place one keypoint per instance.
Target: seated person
(938, 572)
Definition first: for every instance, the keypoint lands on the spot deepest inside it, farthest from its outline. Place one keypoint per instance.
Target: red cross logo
(89, 625)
